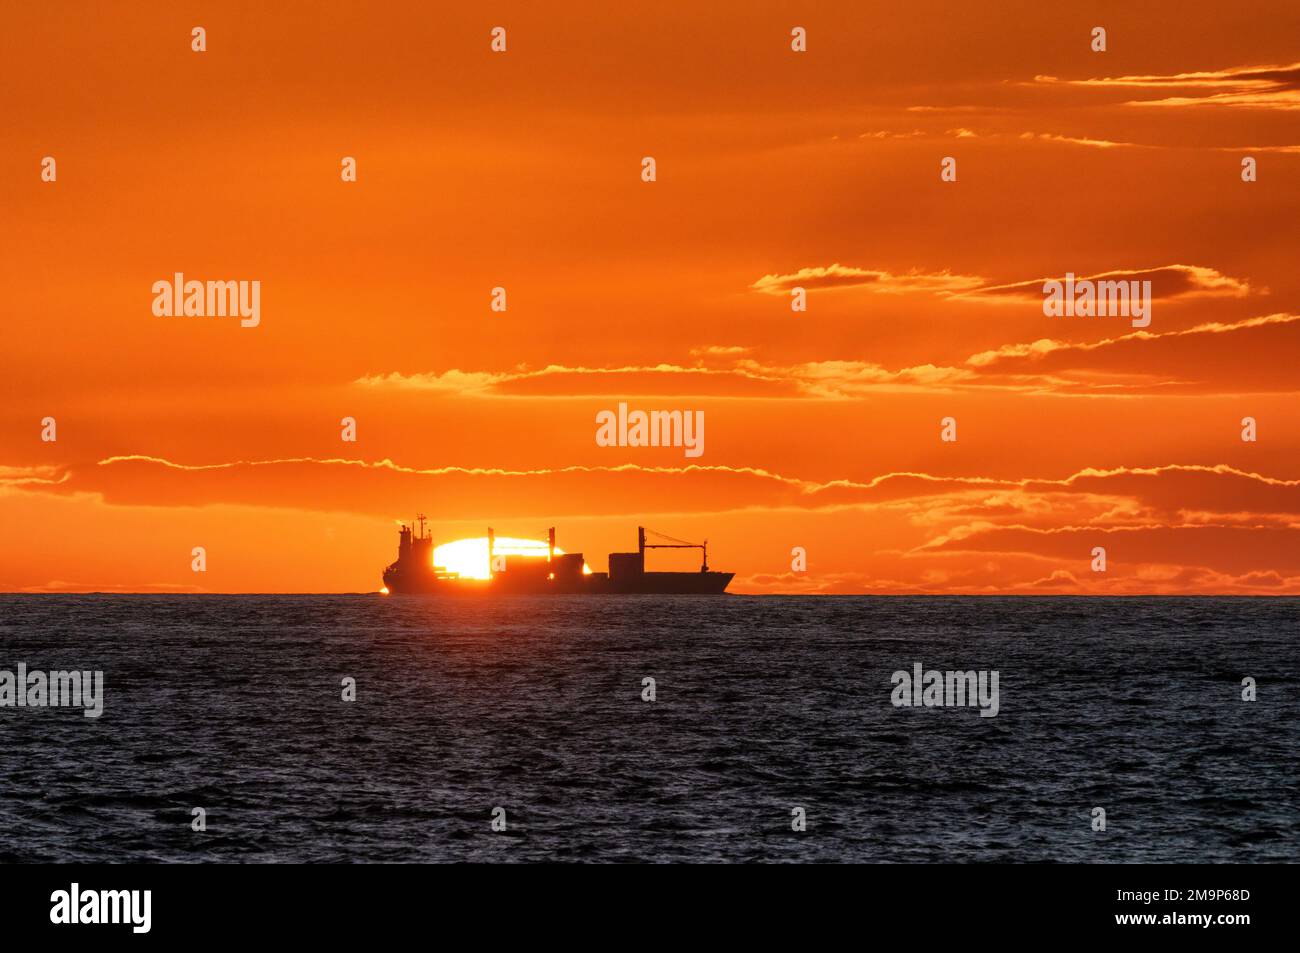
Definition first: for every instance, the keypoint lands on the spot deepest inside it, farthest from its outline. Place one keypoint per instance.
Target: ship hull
(672, 583)
(650, 583)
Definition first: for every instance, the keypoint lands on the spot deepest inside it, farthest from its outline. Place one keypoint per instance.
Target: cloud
(1215, 357)
(65, 585)
(744, 377)
(881, 282)
(1167, 281)
(1078, 141)
(1090, 143)
(389, 489)
(963, 132)
(887, 134)
(1156, 493)
(1060, 139)
(720, 350)
(1252, 87)
(804, 583)
(1248, 356)
(390, 466)
(1045, 346)
(565, 381)
(1226, 549)
(451, 382)
(840, 380)
(37, 476)
(1286, 150)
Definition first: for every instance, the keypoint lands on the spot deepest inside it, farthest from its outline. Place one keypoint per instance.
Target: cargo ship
(414, 571)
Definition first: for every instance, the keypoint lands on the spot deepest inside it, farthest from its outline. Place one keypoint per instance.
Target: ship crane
(672, 543)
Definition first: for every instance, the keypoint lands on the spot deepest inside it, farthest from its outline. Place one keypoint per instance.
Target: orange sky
(522, 169)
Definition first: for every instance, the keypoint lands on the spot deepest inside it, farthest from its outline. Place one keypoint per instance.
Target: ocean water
(763, 705)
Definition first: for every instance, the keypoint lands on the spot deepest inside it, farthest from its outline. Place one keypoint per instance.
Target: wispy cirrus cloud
(1085, 141)
(1167, 281)
(32, 476)
(68, 585)
(1161, 493)
(720, 350)
(1251, 87)
(1215, 357)
(1079, 141)
(557, 380)
(824, 277)
(743, 377)
(1037, 350)
(1242, 357)
(892, 134)
(1052, 138)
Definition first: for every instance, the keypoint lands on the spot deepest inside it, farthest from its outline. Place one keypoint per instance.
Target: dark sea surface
(233, 704)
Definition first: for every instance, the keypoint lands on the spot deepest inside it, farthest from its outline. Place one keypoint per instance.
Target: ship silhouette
(559, 573)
